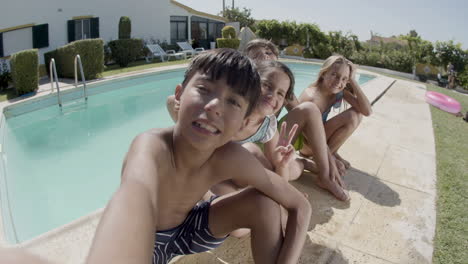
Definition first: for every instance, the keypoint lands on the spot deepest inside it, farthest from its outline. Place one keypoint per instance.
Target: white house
(49, 24)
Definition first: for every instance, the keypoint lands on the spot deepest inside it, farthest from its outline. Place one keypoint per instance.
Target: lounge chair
(188, 49)
(157, 51)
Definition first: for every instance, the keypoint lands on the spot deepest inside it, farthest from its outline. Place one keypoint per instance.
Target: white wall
(17, 40)
(150, 18)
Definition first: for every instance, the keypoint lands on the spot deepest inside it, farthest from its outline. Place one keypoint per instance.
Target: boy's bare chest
(178, 194)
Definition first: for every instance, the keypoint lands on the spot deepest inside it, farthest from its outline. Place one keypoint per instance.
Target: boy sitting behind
(156, 214)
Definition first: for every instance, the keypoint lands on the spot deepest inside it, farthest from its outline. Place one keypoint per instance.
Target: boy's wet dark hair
(265, 67)
(240, 73)
(260, 43)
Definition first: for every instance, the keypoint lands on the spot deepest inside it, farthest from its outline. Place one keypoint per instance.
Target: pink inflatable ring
(443, 102)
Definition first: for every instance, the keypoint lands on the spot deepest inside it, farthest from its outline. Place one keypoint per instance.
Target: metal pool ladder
(53, 72)
(83, 80)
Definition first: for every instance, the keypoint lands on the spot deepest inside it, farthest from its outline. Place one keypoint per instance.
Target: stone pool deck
(391, 215)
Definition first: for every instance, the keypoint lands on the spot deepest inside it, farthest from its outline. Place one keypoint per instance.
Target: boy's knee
(265, 207)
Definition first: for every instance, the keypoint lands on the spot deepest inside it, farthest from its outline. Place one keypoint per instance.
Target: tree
(413, 33)
(241, 16)
(448, 51)
(125, 27)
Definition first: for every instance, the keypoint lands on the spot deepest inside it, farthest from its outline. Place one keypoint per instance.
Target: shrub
(91, 52)
(48, 57)
(463, 79)
(229, 39)
(398, 61)
(228, 32)
(5, 78)
(125, 51)
(25, 71)
(125, 27)
(308, 53)
(107, 55)
(321, 50)
(228, 43)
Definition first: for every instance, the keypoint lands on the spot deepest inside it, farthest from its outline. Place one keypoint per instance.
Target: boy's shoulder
(155, 137)
(231, 155)
(155, 142)
(148, 150)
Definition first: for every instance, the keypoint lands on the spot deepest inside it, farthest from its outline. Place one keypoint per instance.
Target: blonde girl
(320, 137)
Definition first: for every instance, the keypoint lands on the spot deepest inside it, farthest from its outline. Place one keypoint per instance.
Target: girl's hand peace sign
(284, 151)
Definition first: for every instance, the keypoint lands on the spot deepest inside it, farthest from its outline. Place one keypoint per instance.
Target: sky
(434, 20)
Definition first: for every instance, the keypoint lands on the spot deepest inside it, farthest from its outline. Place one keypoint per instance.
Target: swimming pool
(59, 166)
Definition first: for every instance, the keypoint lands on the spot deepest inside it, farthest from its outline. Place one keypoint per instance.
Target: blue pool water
(59, 166)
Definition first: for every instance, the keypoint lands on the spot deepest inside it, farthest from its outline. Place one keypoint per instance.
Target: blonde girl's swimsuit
(337, 104)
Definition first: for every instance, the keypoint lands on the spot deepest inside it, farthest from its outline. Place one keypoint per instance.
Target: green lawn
(451, 137)
(138, 66)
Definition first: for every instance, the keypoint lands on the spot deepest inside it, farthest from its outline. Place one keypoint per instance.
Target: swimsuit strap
(336, 104)
(265, 132)
(338, 99)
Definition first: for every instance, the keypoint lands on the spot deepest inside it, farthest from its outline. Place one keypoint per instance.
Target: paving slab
(408, 168)
(366, 147)
(331, 216)
(401, 233)
(353, 256)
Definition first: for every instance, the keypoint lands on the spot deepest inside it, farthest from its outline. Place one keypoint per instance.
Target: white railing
(53, 72)
(83, 80)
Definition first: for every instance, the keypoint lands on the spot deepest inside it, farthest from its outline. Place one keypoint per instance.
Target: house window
(83, 29)
(178, 29)
(205, 30)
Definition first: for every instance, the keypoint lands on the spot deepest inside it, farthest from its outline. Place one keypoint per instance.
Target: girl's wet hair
(266, 67)
(238, 70)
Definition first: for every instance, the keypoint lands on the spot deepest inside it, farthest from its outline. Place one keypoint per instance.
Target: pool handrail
(83, 80)
(53, 71)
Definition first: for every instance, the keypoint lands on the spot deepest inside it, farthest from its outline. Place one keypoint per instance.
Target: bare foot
(341, 167)
(334, 189)
(345, 162)
(309, 164)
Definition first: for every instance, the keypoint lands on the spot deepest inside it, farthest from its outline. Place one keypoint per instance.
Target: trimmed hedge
(228, 32)
(229, 39)
(228, 43)
(125, 27)
(25, 71)
(125, 51)
(91, 52)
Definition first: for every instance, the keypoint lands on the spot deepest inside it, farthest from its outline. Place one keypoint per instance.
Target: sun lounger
(188, 49)
(157, 51)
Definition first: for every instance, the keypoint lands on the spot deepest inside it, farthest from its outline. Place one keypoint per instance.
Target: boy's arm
(126, 231)
(272, 185)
